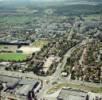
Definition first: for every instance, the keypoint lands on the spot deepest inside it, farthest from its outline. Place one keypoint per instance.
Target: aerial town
(49, 55)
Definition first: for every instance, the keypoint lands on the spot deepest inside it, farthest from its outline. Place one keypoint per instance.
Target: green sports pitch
(13, 57)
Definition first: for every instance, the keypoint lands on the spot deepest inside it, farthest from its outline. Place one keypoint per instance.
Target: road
(56, 77)
(61, 65)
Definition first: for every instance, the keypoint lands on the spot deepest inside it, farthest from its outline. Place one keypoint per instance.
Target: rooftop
(72, 94)
(17, 85)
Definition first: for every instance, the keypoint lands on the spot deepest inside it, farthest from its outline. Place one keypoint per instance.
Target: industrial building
(72, 94)
(18, 88)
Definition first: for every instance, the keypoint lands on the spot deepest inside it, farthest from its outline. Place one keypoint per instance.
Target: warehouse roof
(72, 94)
(10, 81)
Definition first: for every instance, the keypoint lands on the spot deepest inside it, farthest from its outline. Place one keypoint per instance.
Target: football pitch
(12, 57)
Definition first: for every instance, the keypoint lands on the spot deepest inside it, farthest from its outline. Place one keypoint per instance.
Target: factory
(72, 94)
(19, 89)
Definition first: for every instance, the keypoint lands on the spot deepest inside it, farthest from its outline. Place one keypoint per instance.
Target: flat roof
(21, 86)
(72, 94)
(7, 79)
(28, 85)
(10, 81)
(25, 89)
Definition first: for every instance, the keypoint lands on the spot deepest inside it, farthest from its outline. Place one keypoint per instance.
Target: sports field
(12, 57)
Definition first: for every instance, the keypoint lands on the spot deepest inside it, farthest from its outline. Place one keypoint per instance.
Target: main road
(56, 77)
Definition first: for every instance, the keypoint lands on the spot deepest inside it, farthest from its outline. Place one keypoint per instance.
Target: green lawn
(12, 57)
(1, 46)
(91, 17)
(40, 43)
(75, 86)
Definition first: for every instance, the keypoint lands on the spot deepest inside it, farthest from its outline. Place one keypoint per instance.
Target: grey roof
(25, 89)
(7, 79)
(28, 81)
(28, 85)
(21, 86)
(10, 81)
(72, 94)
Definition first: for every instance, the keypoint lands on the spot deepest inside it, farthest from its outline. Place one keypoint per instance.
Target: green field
(40, 43)
(1, 46)
(74, 86)
(12, 57)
